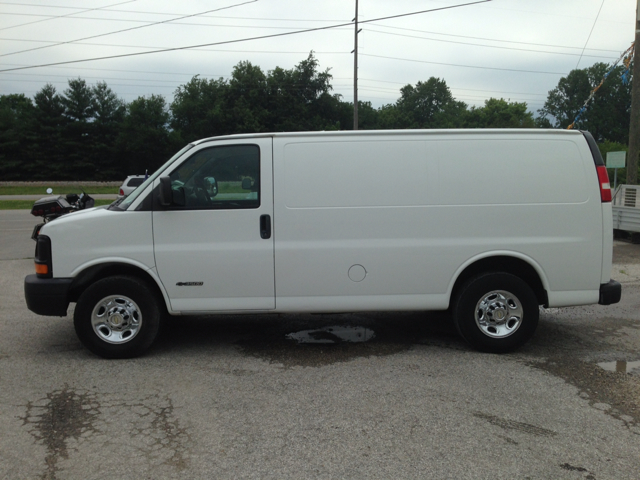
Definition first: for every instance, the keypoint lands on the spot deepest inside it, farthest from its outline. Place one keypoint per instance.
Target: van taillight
(605, 186)
(122, 192)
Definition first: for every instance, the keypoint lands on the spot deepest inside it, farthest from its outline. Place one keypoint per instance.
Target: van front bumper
(47, 296)
(610, 293)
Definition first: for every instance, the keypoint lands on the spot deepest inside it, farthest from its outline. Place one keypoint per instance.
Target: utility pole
(355, 71)
(634, 124)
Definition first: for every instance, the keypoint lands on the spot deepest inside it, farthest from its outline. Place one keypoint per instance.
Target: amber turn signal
(42, 269)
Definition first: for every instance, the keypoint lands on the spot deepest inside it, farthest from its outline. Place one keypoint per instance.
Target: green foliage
(108, 114)
(499, 114)
(88, 133)
(17, 125)
(144, 142)
(198, 109)
(429, 104)
(606, 117)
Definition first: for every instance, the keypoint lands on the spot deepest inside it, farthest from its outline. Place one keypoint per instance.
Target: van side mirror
(165, 191)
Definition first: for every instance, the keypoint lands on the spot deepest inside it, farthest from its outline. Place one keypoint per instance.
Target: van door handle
(265, 226)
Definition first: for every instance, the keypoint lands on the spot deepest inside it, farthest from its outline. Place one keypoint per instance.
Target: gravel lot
(239, 397)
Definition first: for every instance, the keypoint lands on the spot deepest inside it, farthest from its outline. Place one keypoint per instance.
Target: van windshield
(126, 202)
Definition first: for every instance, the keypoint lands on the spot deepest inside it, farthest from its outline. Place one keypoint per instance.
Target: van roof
(351, 133)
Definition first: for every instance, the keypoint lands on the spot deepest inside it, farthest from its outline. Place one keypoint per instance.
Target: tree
(246, 99)
(144, 142)
(78, 101)
(49, 162)
(429, 104)
(498, 113)
(606, 117)
(108, 112)
(301, 99)
(198, 109)
(367, 115)
(17, 115)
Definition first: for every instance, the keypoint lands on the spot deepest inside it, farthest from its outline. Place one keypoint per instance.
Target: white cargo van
(487, 223)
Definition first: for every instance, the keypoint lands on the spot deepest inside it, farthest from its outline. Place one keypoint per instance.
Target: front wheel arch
(104, 270)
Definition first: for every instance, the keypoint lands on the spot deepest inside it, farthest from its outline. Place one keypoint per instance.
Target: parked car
(130, 184)
(488, 224)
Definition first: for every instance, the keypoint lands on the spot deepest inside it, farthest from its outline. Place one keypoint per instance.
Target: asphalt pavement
(232, 397)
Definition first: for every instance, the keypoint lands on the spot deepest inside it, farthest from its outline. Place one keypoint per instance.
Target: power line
(338, 85)
(493, 39)
(129, 29)
(458, 65)
(483, 45)
(589, 37)
(154, 13)
(67, 15)
(245, 39)
(306, 52)
(178, 23)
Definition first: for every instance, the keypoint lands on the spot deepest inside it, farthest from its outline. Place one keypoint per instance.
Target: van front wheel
(496, 312)
(117, 317)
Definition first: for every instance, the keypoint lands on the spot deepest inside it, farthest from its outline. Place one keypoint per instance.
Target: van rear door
(214, 248)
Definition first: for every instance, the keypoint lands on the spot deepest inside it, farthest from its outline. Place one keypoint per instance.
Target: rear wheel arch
(502, 264)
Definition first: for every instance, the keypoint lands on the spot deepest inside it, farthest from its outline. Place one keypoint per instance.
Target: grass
(57, 190)
(27, 204)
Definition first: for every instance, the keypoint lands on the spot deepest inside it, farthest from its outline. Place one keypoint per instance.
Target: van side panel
(367, 223)
(534, 195)
(351, 222)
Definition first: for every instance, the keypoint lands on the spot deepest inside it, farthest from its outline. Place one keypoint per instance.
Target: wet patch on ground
(156, 430)
(572, 468)
(64, 415)
(66, 418)
(333, 334)
(621, 366)
(326, 339)
(615, 393)
(574, 352)
(512, 425)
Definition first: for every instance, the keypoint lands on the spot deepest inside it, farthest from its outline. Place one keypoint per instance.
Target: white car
(130, 184)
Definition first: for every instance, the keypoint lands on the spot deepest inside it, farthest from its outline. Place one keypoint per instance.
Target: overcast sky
(512, 49)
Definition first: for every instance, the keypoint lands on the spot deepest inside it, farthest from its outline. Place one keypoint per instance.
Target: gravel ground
(240, 397)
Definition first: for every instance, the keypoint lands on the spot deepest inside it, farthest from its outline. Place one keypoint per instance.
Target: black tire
(118, 317)
(496, 312)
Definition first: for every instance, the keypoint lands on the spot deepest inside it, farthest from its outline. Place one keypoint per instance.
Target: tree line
(88, 133)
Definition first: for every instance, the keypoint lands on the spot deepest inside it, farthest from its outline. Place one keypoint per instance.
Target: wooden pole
(355, 72)
(634, 124)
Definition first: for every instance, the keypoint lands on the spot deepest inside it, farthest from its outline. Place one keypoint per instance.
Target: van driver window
(225, 177)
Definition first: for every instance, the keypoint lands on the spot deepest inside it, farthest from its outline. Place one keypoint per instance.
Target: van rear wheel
(496, 312)
(118, 317)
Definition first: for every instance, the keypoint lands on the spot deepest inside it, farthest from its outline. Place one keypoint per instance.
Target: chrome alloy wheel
(116, 319)
(499, 314)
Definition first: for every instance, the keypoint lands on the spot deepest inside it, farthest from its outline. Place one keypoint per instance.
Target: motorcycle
(50, 208)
